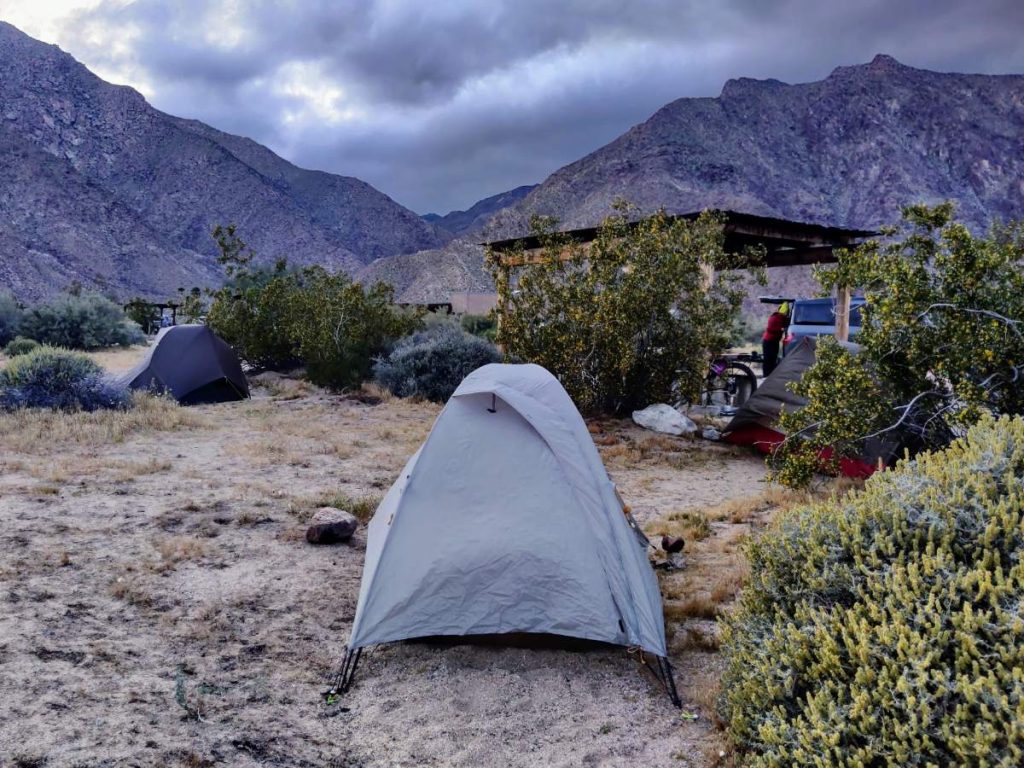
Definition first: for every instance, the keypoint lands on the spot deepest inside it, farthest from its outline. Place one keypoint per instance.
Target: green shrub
(340, 327)
(283, 317)
(19, 345)
(252, 314)
(484, 326)
(81, 321)
(885, 628)
(629, 319)
(144, 313)
(941, 343)
(432, 364)
(10, 318)
(60, 380)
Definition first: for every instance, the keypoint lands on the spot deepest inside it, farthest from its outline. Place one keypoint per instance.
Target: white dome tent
(505, 522)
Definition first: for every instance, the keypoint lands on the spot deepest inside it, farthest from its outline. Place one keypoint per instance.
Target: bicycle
(729, 382)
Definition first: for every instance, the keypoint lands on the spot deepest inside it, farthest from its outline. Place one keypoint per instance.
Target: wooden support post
(843, 314)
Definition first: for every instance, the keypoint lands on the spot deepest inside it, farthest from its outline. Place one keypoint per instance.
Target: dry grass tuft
(691, 524)
(35, 431)
(695, 607)
(178, 549)
(362, 507)
(373, 390)
(130, 590)
(696, 636)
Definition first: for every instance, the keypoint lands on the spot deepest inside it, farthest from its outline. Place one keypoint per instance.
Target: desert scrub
(80, 321)
(431, 364)
(19, 345)
(60, 380)
(38, 431)
(885, 628)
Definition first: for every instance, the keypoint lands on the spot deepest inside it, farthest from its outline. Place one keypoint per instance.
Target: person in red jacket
(771, 340)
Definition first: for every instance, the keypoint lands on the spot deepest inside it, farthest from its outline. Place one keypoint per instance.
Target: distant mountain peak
(100, 187)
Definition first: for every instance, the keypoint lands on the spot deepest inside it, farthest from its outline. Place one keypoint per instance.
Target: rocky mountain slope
(433, 275)
(98, 186)
(475, 217)
(849, 150)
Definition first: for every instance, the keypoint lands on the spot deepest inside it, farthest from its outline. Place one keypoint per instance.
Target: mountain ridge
(144, 189)
(848, 150)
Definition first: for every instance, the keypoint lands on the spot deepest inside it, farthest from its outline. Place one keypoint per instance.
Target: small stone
(664, 418)
(710, 433)
(331, 526)
(672, 544)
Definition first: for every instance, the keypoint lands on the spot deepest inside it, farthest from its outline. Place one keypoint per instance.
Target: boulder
(331, 526)
(664, 418)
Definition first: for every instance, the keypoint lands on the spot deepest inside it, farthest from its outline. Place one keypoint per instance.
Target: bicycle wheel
(728, 385)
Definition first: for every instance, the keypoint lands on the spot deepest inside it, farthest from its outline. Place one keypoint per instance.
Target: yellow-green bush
(630, 318)
(885, 628)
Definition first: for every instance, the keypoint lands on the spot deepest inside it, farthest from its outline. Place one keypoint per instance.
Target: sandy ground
(160, 606)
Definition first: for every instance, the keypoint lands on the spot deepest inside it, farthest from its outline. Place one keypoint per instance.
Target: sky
(439, 103)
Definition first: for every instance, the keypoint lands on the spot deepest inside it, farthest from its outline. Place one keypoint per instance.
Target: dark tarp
(193, 364)
(756, 423)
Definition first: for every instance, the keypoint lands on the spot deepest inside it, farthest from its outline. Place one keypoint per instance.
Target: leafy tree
(941, 343)
(628, 319)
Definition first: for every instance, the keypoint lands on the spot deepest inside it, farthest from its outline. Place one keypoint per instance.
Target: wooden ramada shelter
(786, 244)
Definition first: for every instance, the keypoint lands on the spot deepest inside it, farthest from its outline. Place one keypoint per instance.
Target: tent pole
(670, 683)
(342, 679)
(346, 684)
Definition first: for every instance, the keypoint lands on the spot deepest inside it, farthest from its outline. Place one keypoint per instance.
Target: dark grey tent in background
(193, 364)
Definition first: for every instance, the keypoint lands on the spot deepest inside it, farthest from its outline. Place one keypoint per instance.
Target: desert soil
(161, 607)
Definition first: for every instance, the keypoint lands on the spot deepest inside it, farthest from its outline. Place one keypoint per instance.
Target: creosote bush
(431, 364)
(279, 318)
(57, 379)
(80, 321)
(885, 628)
(628, 319)
(19, 345)
(484, 326)
(941, 343)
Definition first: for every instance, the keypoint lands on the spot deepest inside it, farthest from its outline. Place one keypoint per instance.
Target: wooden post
(843, 313)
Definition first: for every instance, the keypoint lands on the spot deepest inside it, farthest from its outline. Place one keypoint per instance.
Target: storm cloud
(441, 103)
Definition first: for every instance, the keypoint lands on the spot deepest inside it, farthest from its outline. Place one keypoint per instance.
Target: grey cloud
(454, 101)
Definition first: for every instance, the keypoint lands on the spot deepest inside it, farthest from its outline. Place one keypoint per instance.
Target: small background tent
(756, 423)
(193, 364)
(505, 522)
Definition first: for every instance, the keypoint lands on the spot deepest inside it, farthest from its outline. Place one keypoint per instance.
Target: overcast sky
(439, 103)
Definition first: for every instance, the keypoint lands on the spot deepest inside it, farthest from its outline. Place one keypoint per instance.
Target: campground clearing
(161, 606)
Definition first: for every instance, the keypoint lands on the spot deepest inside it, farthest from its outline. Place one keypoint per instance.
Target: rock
(331, 526)
(664, 418)
(710, 433)
(672, 544)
